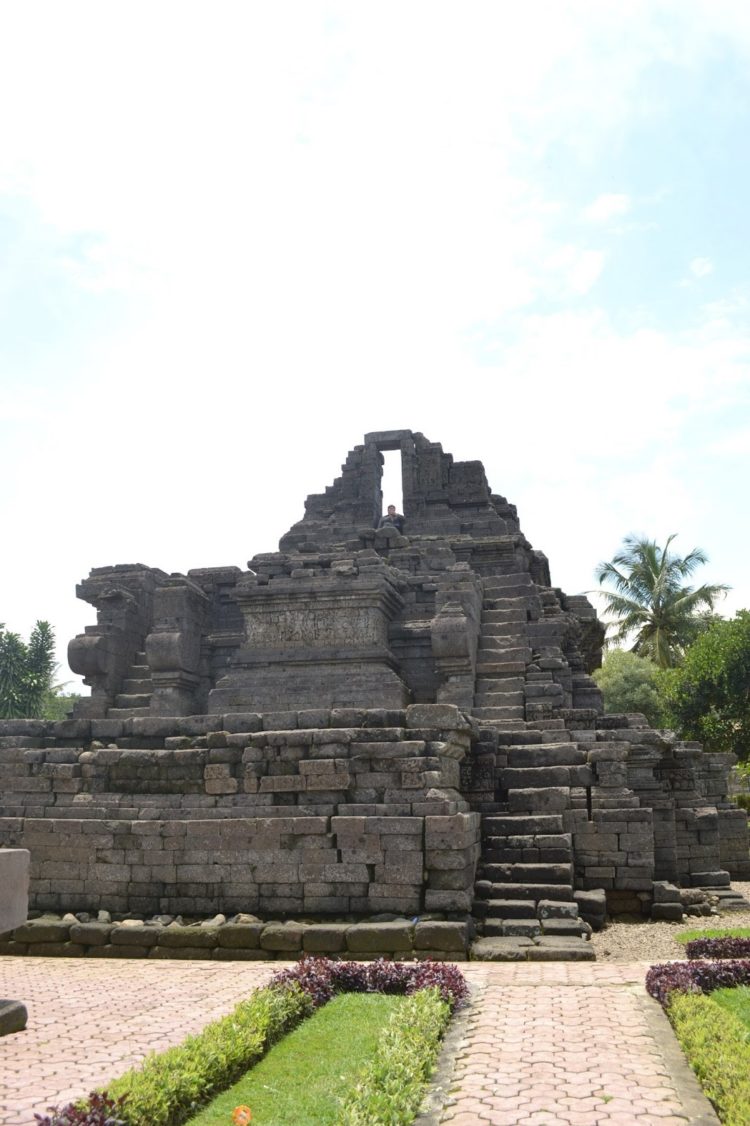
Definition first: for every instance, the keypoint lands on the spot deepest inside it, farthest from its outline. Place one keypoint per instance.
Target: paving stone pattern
(542, 1044)
(568, 1044)
(91, 1021)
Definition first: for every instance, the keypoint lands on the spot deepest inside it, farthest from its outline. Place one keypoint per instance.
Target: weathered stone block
(282, 936)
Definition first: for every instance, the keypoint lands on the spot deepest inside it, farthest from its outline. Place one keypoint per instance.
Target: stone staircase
(524, 894)
(135, 698)
(504, 651)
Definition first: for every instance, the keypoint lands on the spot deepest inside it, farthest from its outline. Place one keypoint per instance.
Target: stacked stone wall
(353, 819)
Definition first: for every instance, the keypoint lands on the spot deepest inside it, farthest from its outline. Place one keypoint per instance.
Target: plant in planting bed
(718, 948)
(695, 977)
(97, 1110)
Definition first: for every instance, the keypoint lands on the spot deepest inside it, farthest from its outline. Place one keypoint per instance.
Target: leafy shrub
(97, 1110)
(390, 1090)
(170, 1085)
(716, 1044)
(742, 800)
(718, 948)
(695, 977)
(320, 978)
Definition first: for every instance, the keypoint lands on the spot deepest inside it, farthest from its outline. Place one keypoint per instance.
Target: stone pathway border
(541, 1044)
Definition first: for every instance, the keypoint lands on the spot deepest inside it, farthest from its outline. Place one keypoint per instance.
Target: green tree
(26, 671)
(650, 599)
(630, 683)
(708, 696)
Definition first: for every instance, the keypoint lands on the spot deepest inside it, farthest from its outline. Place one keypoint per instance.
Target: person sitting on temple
(392, 519)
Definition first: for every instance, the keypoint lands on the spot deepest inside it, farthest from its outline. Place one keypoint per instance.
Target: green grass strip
(169, 1086)
(303, 1078)
(390, 1091)
(717, 1046)
(718, 932)
(735, 1000)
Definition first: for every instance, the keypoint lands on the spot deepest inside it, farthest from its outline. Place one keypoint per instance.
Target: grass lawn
(718, 932)
(736, 1001)
(302, 1079)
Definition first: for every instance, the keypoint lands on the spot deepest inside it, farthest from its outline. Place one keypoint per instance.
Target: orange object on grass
(241, 1115)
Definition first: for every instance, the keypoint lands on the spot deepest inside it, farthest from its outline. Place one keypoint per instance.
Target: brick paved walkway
(542, 1044)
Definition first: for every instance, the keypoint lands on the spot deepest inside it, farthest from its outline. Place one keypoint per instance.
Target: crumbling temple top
(346, 613)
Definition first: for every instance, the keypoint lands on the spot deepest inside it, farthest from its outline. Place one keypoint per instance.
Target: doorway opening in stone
(391, 482)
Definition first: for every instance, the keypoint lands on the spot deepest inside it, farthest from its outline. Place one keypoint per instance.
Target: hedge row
(716, 1044)
(390, 1091)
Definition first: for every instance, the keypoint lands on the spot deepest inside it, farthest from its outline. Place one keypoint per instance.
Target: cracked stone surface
(541, 1044)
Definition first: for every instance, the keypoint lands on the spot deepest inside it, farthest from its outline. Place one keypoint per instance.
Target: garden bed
(169, 1088)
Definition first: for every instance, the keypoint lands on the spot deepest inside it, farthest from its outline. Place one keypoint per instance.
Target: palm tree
(651, 601)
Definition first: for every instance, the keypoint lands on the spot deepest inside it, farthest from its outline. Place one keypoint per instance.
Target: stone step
(136, 700)
(504, 908)
(494, 605)
(489, 715)
(557, 909)
(510, 579)
(560, 948)
(541, 948)
(492, 686)
(521, 777)
(132, 687)
(506, 726)
(511, 590)
(521, 824)
(503, 698)
(526, 927)
(522, 873)
(564, 927)
(510, 890)
(513, 617)
(502, 635)
(126, 713)
(537, 841)
(546, 754)
(496, 669)
(530, 854)
(544, 799)
(502, 654)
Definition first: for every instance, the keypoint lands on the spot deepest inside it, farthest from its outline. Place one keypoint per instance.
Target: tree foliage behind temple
(26, 671)
(708, 696)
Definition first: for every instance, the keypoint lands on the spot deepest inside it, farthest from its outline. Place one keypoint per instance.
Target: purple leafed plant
(695, 977)
(97, 1110)
(718, 948)
(322, 977)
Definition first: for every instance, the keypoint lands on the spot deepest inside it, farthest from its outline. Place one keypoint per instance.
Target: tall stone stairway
(504, 651)
(135, 697)
(524, 895)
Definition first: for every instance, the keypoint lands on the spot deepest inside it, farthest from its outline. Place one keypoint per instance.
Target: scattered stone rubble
(365, 721)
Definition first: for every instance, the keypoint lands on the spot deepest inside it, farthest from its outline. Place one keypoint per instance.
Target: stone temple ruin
(364, 723)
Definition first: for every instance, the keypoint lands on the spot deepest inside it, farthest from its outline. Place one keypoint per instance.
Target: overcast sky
(234, 237)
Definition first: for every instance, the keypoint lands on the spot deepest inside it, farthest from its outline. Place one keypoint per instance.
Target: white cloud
(701, 267)
(606, 207)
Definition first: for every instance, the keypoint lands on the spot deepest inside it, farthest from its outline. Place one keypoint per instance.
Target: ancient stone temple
(367, 720)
